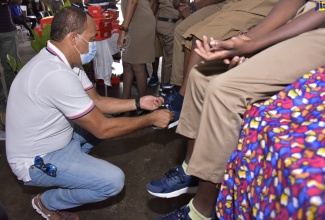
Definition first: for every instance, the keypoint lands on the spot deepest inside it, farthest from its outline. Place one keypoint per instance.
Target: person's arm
(109, 105)
(130, 9)
(155, 6)
(103, 127)
(280, 14)
(308, 21)
(188, 9)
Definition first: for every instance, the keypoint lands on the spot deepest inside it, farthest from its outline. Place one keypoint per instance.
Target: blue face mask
(86, 58)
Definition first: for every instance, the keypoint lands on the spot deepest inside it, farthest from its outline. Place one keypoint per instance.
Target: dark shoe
(174, 183)
(153, 81)
(51, 215)
(180, 214)
(170, 96)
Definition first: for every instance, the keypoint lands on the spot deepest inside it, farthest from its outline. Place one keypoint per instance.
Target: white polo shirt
(44, 97)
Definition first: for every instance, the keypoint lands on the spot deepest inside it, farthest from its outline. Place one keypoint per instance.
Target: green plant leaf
(35, 44)
(20, 66)
(66, 4)
(12, 63)
(45, 35)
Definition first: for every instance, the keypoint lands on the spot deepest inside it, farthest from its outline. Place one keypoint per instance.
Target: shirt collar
(54, 50)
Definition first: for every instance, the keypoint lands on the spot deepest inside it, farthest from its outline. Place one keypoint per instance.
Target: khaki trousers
(165, 33)
(181, 28)
(215, 103)
(229, 18)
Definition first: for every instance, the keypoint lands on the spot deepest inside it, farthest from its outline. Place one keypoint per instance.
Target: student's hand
(235, 61)
(162, 117)
(151, 102)
(216, 49)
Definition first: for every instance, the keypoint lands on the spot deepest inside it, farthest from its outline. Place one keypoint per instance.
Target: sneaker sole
(38, 210)
(171, 125)
(190, 190)
(152, 85)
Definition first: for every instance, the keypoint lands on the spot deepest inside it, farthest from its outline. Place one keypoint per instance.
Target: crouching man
(55, 116)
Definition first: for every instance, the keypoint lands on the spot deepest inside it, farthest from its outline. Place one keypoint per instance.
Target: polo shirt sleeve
(86, 83)
(64, 91)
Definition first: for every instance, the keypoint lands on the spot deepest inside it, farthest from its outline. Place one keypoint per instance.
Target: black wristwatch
(192, 9)
(137, 104)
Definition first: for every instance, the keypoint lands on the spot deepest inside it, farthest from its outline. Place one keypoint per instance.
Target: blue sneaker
(153, 81)
(170, 96)
(174, 183)
(166, 86)
(180, 214)
(176, 116)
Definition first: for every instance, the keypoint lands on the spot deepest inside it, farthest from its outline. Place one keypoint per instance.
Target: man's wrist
(138, 104)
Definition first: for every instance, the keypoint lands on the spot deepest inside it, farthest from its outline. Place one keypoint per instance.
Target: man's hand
(162, 117)
(151, 102)
(216, 49)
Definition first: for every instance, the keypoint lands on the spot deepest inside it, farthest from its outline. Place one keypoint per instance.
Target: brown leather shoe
(51, 215)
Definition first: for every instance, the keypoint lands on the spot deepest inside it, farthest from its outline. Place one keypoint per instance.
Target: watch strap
(137, 104)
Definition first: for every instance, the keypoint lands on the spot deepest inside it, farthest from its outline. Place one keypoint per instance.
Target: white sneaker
(2, 135)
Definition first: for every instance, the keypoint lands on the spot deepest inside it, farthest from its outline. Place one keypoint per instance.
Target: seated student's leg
(181, 28)
(177, 181)
(81, 178)
(226, 99)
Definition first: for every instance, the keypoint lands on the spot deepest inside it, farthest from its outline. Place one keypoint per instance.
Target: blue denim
(81, 178)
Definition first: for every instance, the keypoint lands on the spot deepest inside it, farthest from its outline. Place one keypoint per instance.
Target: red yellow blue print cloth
(278, 168)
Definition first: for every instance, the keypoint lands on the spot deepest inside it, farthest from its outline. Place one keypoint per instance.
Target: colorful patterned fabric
(278, 168)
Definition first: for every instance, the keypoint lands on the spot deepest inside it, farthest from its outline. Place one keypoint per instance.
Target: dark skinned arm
(184, 8)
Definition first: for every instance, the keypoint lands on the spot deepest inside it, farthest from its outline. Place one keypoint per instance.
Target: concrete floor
(143, 156)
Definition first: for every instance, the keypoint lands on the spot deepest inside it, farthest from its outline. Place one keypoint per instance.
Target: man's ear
(72, 37)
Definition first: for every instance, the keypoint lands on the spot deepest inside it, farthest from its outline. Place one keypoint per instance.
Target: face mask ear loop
(76, 49)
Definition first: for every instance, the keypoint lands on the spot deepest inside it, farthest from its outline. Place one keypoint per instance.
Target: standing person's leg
(127, 80)
(140, 73)
(166, 36)
(8, 45)
(82, 178)
(154, 80)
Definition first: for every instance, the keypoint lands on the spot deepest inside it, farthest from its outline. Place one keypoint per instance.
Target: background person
(8, 45)
(137, 38)
(19, 18)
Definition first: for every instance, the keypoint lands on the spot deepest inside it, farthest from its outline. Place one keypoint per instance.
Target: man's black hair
(67, 20)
